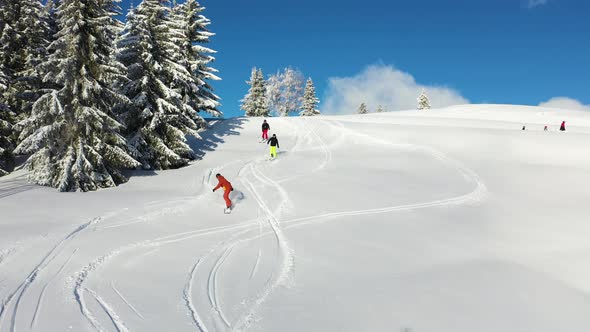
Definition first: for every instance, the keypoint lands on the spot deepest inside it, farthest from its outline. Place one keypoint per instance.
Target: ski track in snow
(212, 286)
(324, 148)
(42, 294)
(117, 322)
(245, 320)
(85, 273)
(285, 254)
(126, 301)
(255, 267)
(225, 246)
(19, 293)
(188, 298)
(313, 135)
(475, 196)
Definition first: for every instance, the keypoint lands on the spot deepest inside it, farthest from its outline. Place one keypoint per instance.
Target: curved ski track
(251, 177)
(18, 294)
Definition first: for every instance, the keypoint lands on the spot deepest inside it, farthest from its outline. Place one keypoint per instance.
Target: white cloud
(566, 104)
(383, 85)
(536, 3)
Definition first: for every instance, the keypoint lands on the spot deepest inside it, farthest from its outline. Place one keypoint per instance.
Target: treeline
(283, 94)
(84, 96)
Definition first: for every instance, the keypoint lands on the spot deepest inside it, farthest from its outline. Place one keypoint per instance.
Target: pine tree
(362, 109)
(6, 116)
(197, 93)
(248, 105)
(6, 129)
(73, 135)
(11, 60)
(379, 109)
(423, 102)
(285, 91)
(51, 18)
(24, 42)
(310, 101)
(255, 102)
(157, 119)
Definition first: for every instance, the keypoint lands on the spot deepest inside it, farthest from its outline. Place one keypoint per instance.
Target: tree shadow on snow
(215, 135)
(211, 138)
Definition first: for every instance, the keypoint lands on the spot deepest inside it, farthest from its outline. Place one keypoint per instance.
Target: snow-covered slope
(443, 220)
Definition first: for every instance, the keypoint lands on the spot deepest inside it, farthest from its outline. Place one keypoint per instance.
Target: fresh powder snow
(451, 220)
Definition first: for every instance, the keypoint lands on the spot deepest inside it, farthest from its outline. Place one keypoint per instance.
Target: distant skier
(546, 128)
(265, 129)
(562, 128)
(523, 128)
(274, 144)
(227, 188)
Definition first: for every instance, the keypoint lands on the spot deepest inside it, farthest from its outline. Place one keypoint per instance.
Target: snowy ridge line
(41, 295)
(285, 252)
(126, 302)
(188, 290)
(119, 324)
(212, 286)
(19, 293)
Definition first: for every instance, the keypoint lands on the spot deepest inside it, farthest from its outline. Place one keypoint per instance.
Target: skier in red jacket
(265, 129)
(562, 127)
(227, 188)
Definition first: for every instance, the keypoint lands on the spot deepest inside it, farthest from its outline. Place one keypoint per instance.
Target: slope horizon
(464, 46)
(380, 222)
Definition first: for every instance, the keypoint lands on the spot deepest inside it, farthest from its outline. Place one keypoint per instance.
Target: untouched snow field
(445, 220)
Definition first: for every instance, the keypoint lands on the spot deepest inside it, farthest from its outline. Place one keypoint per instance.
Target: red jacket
(223, 183)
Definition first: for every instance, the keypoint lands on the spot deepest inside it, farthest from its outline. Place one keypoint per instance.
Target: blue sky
(486, 51)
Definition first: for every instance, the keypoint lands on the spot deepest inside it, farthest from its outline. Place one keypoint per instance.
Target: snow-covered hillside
(442, 220)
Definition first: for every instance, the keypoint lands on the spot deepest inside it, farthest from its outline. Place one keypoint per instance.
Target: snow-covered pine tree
(293, 88)
(198, 94)
(6, 130)
(255, 102)
(157, 119)
(285, 91)
(423, 102)
(248, 101)
(24, 41)
(261, 100)
(379, 109)
(10, 41)
(51, 18)
(310, 101)
(73, 135)
(362, 109)
(274, 92)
